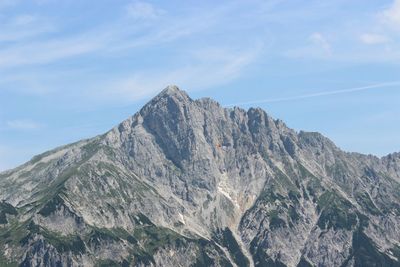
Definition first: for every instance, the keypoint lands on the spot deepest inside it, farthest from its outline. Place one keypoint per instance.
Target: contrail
(335, 92)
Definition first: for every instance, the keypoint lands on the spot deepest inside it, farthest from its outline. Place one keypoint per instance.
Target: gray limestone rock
(189, 183)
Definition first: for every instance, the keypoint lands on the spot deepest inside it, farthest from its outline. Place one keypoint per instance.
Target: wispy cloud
(372, 39)
(143, 10)
(23, 125)
(127, 51)
(22, 20)
(24, 26)
(318, 46)
(391, 15)
(203, 67)
(320, 40)
(319, 94)
(212, 67)
(7, 3)
(42, 52)
(113, 39)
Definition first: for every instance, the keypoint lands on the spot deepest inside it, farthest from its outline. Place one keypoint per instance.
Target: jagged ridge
(187, 182)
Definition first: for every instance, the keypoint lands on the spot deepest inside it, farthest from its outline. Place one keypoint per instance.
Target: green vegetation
(203, 260)
(107, 263)
(270, 195)
(152, 237)
(97, 235)
(365, 201)
(314, 187)
(13, 233)
(144, 241)
(111, 263)
(396, 251)
(39, 157)
(4, 239)
(6, 208)
(6, 263)
(142, 219)
(370, 173)
(125, 181)
(304, 263)
(274, 220)
(20, 234)
(100, 235)
(226, 239)
(51, 206)
(365, 253)
(70, 243)
(91, 147)
(338, 170)
(284, 181)
(294, 196)
(304, 172)
(37, 168)
(55, 188)
(289, 146)
(261, 258)
(294, 216)
(335, 212)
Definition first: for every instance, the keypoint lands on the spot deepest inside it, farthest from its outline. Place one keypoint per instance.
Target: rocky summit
(187, 182)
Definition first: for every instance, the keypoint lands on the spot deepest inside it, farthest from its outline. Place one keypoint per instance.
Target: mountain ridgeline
(189, 183)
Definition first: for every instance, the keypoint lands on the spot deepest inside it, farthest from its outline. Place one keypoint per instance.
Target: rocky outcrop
(189, 183)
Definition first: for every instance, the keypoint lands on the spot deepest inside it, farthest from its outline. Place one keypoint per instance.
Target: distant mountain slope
(188, 183)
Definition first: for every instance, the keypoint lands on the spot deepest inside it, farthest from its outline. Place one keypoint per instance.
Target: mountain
(189, 183)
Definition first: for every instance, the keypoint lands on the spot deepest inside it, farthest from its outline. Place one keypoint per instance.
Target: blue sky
(74, 69)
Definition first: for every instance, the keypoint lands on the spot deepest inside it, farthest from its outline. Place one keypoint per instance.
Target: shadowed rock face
(188, 183)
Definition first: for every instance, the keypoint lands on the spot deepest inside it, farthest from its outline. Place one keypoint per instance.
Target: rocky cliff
(189, 183)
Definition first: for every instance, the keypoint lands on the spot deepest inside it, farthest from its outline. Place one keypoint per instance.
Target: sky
(74, 69)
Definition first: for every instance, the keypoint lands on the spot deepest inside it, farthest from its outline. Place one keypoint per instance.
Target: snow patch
(224, 188)
(182, 219)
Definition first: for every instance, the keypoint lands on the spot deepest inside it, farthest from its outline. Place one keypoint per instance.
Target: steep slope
(186, 182)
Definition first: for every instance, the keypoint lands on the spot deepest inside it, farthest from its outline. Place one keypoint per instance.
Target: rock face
(188, 183)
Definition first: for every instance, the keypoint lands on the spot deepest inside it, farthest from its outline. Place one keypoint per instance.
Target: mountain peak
(171, 91)
(210, 186)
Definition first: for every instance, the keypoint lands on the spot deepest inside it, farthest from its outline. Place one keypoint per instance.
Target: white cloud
(22, 20)
(393, 85)
(6, 3)
(211, 67)
(143, 10)
(391, 16)
(24, 26)
(371, 39)
(114, 40)
(109, 40)
(42, 52)
(319, 40)
(318, 47)
(23, 125)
